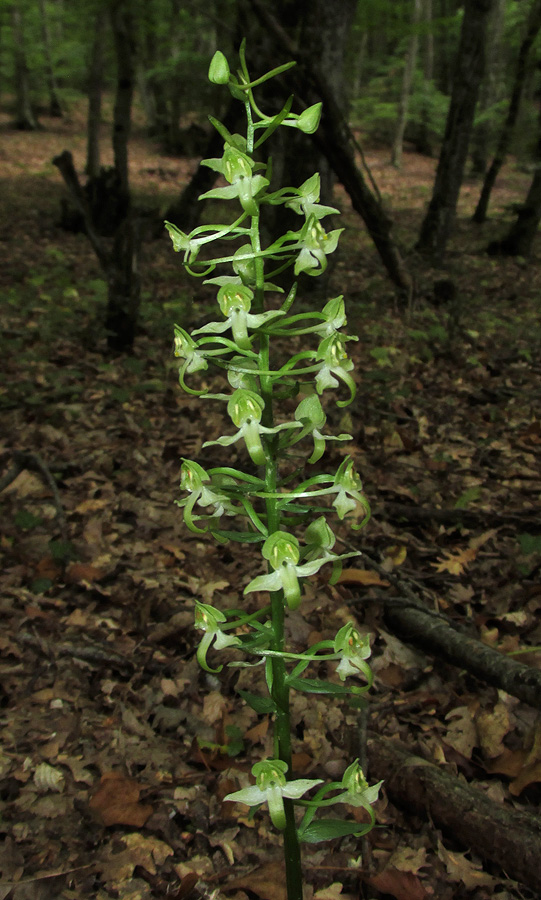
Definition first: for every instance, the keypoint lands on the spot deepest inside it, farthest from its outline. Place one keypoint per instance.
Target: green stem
(280, 690)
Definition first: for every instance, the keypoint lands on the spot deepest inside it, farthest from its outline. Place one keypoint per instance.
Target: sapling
(277, 417)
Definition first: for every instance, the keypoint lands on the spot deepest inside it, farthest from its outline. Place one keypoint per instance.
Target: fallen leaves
(116, 801)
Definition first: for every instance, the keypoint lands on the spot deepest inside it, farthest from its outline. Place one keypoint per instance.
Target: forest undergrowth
(117, 749)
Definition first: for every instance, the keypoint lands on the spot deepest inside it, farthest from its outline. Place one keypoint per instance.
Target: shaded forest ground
(99, 679)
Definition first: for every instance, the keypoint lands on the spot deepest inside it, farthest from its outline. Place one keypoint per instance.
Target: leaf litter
(117, 749)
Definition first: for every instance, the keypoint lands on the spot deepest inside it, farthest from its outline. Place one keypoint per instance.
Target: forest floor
(117, 749)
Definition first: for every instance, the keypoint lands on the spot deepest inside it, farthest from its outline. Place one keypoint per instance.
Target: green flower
(315, 246)
(282, 551)
(335, 365)
(208, 619)
(271, 787)
(354, 649)
(187, 349)
(246, 409)
(235, 301)
(310, 414)
(197, 481)
(358, 791)
(348, 488)
(306, 202)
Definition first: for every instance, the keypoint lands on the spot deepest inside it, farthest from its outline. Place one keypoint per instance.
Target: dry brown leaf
(510, 763)
(529, 775)
(455, 563)
(402, 885)
(361, 576)
(116, 802)
(267, 882)
(462, 733)
(492, 726)
(461, 869)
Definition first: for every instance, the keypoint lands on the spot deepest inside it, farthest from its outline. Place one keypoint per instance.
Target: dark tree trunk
(95, 85)
(24, 114)
(440, 217)
(119, 263)
(519, 240)
(532, 30)
(123, 33)
(336, 141)
(55, 107)
(490, 90)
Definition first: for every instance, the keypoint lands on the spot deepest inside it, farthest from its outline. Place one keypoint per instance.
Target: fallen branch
(507, 837)
(437, 635)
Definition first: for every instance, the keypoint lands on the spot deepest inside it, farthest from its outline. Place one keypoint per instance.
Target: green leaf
(317, 686)
(466, 498)
(262, 705)
(530, 543)
(40, 585)
(62, 551)
(26, 520)
(327, 829)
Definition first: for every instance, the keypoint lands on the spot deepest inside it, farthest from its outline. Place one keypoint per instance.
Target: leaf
(472, 493)
(116, 802)
(361, 576)
(529, 543)
(261, 705)
(399, 884)
(327, 829)
(317, 686)
(455, 563)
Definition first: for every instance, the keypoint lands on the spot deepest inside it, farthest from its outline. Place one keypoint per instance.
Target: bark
(123, 32)
(532, 30)
(95, 86)
(55, 107)
(407, 79)
(490, 89)
(119, 264)
(24, 114)
(507, 837)
(439, 220)
(436, 635)
(336, 141)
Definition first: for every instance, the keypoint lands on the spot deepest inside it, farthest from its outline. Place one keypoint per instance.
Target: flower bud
(218, 69)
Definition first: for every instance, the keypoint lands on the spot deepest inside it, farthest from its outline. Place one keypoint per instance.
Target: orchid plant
(284, 512)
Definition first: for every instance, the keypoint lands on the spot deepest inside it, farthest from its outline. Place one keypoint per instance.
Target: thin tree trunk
(55, 107)
(122, 22)
(532, 30)
(490, 89)
(520, 238)
(338, 144)
(439, 220)
(407, 79)
(24, 115)
(95, 86)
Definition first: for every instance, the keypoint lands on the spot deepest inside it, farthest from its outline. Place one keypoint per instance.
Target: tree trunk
(439, 219)
(24, 115)
(520, 238)
(490, 89)
(119, 264)
(55, 107)
(532, 30)
(122, 23)
(338, 144)
(407, 79)
(95, 85)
